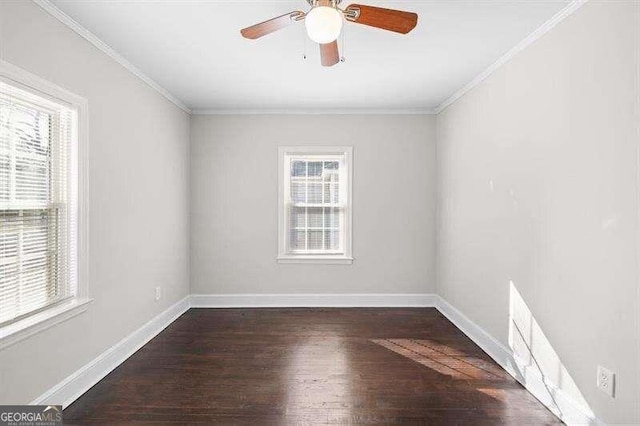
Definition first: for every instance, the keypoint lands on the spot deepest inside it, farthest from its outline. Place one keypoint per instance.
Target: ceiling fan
(324, 24)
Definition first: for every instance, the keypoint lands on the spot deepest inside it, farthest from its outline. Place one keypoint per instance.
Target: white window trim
(283, 256)
(47, 317)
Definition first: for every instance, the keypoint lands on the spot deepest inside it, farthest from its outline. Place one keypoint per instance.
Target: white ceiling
(193, 49)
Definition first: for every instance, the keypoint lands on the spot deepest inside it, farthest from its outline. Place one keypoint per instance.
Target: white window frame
(283, 175)
(44, 318)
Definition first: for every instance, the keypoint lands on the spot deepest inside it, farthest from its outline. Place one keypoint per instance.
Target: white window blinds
(316, 206)
(36, 215)
(315, 203)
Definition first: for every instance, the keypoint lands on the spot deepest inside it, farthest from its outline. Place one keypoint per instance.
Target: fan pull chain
(342, 50)
(304, 43)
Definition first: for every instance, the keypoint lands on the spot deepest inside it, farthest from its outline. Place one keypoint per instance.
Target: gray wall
(538, 184)
(138, 200)
(234, 204)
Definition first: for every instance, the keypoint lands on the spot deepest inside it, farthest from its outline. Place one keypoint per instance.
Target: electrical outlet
(158, 293)
(606, 381)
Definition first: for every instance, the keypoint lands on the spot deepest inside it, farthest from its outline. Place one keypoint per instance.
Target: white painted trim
(317, 259)
(43, 86)
(316, 111)
(562, 405)
(283, 191)
(38, 322)
(72, 387)
(530, 39)
(79, 157)
(54, 11)
(312, 300)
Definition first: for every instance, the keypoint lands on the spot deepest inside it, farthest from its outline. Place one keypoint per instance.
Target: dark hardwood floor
(309, 366)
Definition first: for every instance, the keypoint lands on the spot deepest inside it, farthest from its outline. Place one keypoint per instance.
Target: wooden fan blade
(378, 17)
(267, 27)
(329, 55)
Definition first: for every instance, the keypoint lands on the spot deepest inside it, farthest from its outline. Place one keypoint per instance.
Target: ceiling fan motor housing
(330, 3)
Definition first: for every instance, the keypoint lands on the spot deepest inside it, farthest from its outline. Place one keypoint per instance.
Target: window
(315, 204)
(38, 203)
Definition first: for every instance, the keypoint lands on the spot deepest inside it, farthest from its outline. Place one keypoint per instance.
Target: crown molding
(530, 39)
(312, 111)
(54, 11)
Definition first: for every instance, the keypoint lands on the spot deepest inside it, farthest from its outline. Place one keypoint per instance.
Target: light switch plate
(606, 381)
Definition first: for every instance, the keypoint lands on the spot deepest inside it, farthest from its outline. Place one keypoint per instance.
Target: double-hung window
(315, 204)
(38, 206)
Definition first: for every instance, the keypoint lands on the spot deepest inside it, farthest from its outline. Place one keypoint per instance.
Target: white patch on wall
(533, 351)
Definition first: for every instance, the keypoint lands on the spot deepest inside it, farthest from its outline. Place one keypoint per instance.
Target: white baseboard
(71, 388)
(312, 300)
(557, 401)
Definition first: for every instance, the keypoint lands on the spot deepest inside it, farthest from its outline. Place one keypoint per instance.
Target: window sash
(35, 217)
(35, 261)
(329, 235)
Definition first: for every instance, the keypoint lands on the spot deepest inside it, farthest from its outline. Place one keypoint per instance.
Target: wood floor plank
(309, 366)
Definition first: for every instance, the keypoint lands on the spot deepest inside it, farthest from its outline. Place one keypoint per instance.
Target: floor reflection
(319, 378)
(443, 359)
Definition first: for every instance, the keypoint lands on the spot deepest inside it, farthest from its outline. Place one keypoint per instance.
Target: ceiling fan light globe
(323, 24)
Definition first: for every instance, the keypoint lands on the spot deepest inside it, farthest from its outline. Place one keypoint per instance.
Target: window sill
(317, 259)
(19, 330)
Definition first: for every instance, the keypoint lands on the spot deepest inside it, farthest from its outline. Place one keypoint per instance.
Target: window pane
(298, 168)
(315, 217)
(315, 240)
(4, 178)
(31, 129)
(32, 179)
(9, 290)
(9, 238)
(332, 240)
(331, 165)
(5, 114)
(315, 168)
(297, 240)
(331, 174)
(331, 217)
(334, 191)
(298, 192)
(326, 193)
(314, 194)
(34, 279)
(37, 236)
(297, 217)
